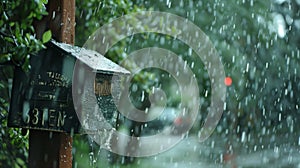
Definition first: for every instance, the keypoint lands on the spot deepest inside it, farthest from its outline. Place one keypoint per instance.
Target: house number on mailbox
(40, 117)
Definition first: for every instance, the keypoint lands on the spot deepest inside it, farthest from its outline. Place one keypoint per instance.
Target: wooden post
(54, 149)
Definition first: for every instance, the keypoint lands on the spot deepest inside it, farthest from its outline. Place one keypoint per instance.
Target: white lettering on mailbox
(55, 118)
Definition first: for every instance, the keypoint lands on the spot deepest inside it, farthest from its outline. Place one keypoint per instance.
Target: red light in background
(228, 81)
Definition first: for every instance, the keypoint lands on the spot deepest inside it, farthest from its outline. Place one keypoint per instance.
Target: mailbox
(42, 98)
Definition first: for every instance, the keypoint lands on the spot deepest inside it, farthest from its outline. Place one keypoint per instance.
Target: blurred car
(164, 120)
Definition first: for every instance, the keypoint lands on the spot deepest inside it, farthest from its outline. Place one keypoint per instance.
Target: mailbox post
(55, 146)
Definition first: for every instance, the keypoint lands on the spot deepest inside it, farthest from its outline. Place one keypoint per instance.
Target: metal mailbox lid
(93, 59)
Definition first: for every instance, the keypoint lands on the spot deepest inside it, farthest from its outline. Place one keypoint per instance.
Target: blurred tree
(240, 32)
(259, 46)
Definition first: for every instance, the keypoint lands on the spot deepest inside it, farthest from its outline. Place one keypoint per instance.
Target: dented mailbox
(42, 98)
